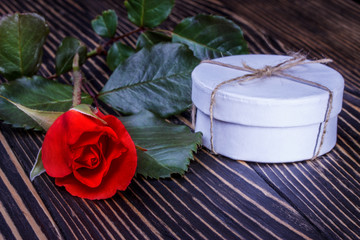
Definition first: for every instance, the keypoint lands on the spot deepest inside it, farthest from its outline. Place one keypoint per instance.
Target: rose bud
(91, 156)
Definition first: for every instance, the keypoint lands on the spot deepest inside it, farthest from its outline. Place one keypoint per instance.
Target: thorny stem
(52, 76)
(101, 48)
(77, 75)
(77, 78)
(140, 29)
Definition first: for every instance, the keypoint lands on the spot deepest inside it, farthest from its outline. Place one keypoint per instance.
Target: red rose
(89, 157)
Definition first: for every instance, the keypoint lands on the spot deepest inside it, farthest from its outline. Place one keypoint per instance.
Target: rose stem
(101, 48)
(77, 79)
(140, 29)
(52, 76)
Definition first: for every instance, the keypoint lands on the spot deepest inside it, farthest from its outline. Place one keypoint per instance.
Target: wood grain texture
(218, 198)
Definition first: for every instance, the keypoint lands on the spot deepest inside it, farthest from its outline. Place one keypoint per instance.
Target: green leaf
(148, 13)
(156, 79)
(210, 36)
(22, 36)
(117, 54)
(149, 38)
(87, 110)
(44, 118)
(105, 25)
(38, 167)
(66, 53)
(35, 93)
(169, 147)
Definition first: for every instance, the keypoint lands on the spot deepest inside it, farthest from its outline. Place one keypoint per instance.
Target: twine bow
(268, 71)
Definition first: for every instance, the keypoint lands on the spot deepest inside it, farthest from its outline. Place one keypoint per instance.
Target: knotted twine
(269, 71)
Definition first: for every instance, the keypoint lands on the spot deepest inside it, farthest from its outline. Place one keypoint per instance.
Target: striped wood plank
(218, 198)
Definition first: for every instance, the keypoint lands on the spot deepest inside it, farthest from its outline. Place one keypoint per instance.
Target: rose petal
(87, 157)
(112, 149)
(106, 144)
(122, 169)
(118, 128)
(90, 168)
(84, 129)
(117, 156)
(91, 177)
(56, 155)
(118, 178)
(87, 138)
(70, 129)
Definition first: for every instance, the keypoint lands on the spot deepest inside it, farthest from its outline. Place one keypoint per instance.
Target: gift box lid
(268, 101)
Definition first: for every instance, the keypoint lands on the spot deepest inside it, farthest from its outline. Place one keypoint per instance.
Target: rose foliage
(91, 154)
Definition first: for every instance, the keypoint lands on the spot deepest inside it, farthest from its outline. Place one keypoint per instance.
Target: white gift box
(269, 119)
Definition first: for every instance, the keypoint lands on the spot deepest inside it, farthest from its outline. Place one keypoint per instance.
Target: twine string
(268, 71)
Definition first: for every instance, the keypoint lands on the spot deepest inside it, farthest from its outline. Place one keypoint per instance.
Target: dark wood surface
(218, 198)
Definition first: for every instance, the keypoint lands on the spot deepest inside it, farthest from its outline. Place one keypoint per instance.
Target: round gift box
(269, 119)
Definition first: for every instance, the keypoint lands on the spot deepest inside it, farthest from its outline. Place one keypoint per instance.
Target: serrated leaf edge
(194, 148)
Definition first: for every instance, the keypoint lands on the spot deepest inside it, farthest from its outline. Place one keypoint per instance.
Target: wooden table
(218, 198)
